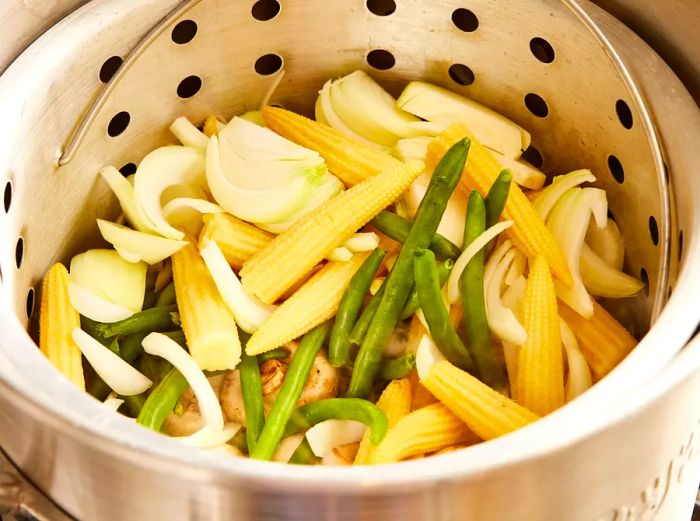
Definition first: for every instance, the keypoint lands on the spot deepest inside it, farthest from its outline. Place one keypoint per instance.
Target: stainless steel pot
(56, 111)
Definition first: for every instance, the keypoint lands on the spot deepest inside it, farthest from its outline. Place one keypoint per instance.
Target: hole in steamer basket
(268, 64)
(381, 7)
(7, 196)
(461, 74)
(542, 50)
(128, 169)
(534, 157)
(644, 277)
(465, 20)
(381, 59)
(109, 68)
(653, 230)
(19, 252)
(624, 114)
(189, 87)
(616, 169)
(118, 124)
(265, 10)
(30, 303)
(184, 32)
(537, 105)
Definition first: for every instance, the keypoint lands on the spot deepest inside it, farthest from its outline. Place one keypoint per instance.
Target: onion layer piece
(136, 246)
(326, 435)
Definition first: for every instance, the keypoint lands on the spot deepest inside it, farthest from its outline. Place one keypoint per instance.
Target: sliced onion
(495, 258)
(603, 280)
(412, 148)
(502, 321)
(247, 311)
(579, 380)
(160, 345)
(163, 168)
(164, 277)
(186, 213)
(362, 242)
(113, 403)
(427, 354)
(287, 448)
(188, 134)
(326, 435)
(341, 254)
(117, 374)
(474, 247)
(517, 268)
(124, 191)
(607, 243)
(511, 353)
(135, 246)
(547, 198)
(95, 308)
(210, 438)
(523, 174)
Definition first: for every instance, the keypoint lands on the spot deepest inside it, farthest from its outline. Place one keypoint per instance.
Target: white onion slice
(247, 311)
(495, 258)
(124, 191)
(523, 173)
(412, 148)
(185, 213)
(209, 438)
(603, 280)
(341, 254)
(188, 134)
(362, 242)
(160, 345)
(579, 380)
(326, 435)
(511, 353)
(517, 268)
(116, 373)
(287, 447)
(113, 403)
(134, 246)
(474, 247)
(427, 354)
(95, 308)
(502, 320)
(547, 198)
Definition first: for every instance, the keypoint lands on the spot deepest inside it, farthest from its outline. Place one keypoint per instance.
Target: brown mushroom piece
(187, 419)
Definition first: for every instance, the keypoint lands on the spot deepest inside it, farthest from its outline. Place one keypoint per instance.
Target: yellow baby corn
(603, 341)
(294, 253)
(539, 385)
(488, 413)
(420, 396)
(312, 304)
(238, 240)
(425, 430)
(528, 232)
(56, 324)
(212, 125)
(351, 161)
(209, 327)
(395, 402)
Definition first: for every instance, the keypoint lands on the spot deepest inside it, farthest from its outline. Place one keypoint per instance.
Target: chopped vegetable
(579, 378)
(276, 354)
(212, 126)
(154, 319)
(398, 283)
(325, 436)
(359, 331)
(129, 350)
(561, 184)
(400, 367)
(523, 172)
(135, 246)
(188, 134)
(162, 400)
(602, 280)
(57, 321)
(607, 243)
(252, 391)
(238, 240)
(413, 302)
(293, 254)
(124, 191)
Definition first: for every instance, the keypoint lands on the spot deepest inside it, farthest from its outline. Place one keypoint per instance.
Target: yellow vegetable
(488, 413)
(212, 126)
(210, 330)
(349, 160)
(292, 255)
(425, 430)
(57, 321)
(540, 381)
(528, 232)
(238, 240)
(395, 402)
(312, 304)
(603, 341)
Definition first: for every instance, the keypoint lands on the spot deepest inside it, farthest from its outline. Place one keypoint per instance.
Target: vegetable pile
(386, 281)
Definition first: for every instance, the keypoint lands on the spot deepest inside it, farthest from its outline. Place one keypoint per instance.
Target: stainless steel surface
(96, 463)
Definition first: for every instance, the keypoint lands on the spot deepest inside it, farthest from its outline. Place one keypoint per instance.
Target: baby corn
(238, 240)
(351, 161)
(420, 396)
(395, 402)
(56, 324)
(209, 327)
(529, 232)
(294, 253)
(602, 339)
(425, 430)
(488, 413)
(312, 304)
(540, 381)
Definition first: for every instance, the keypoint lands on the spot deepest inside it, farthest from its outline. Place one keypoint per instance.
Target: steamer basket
(593, 459)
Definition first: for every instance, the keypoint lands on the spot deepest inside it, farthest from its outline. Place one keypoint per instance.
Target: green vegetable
(304, 455)
(90, 327)
(472, 292)
(397, 228)
(395, 368)
(349, 309)
(413, 303)
(496, 202)
(435, 311)
(276, 354)
(240, 441)
(162, 400)
(251, 389)
(134, 404)
(177, 336)
(398, 283)
(167, 296)
(357, 335)
(289, 394)
(354, 409)
(149, 299)
(148, 321)
(129, 349)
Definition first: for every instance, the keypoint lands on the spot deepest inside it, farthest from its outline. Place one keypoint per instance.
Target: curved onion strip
(326, 435)
(116, 373)
(579, 379)
(189, 135)
(362, 242)
(517, 268)
(502, 321)
(135, 246)
(412, 148)
(547, 198)
(163, 168)
(341, 254)
(113, 403)
(607, 243)
(511, 353)
(95, 308)
(469, 252)
(208, 438)
(603, 280)
(248, 312)
(495, 259)
(287, 447)
(426, 355)
(160, 345)
(124, 191)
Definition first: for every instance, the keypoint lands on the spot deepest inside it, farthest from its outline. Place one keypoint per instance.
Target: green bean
(355, 409)
(436, 314)
(357, 335)
(129, 349)
(474, 309)
(90, 327)
(177, 336)
(149, 299)
(276, 354)
(496, 202)
(398, 283)
(154, 367)
(166, 297)
(134, 404)
(162, 400)
(349, 309)
(395, 368)
(304, 455)
(412, 304)
(397, 228)
(154, 319)
(289, 394)
(251, 389)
